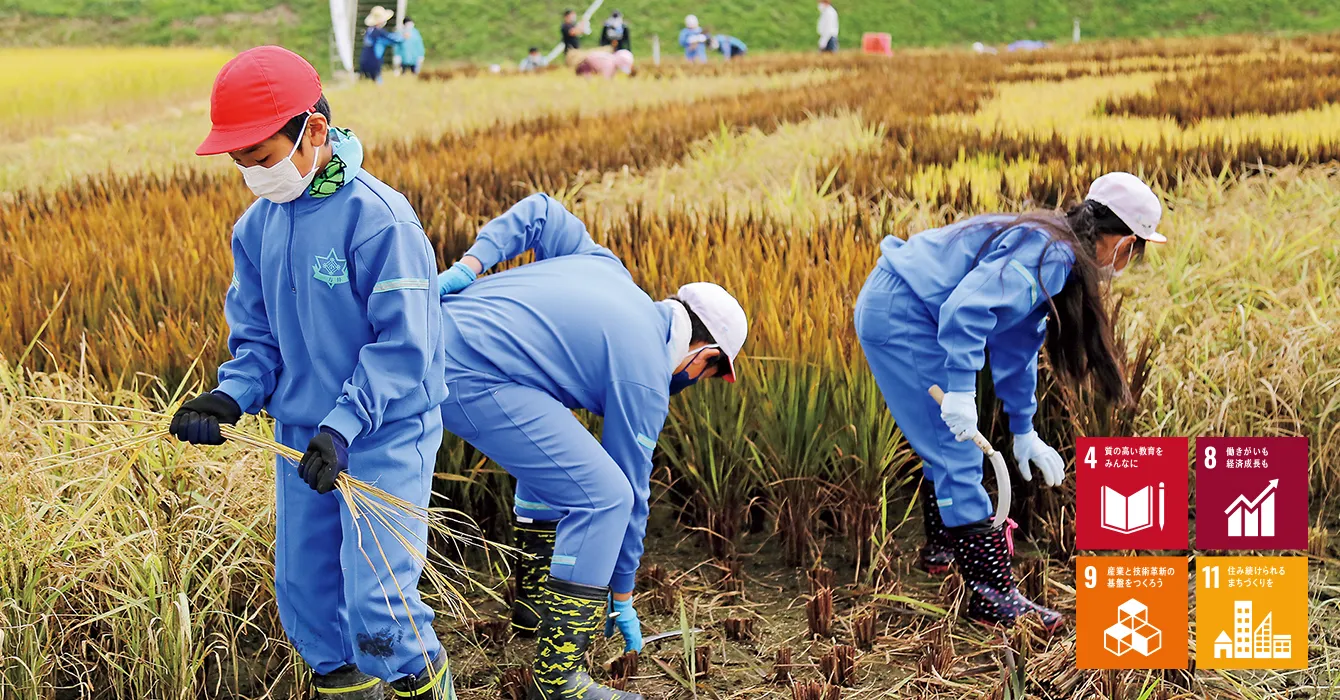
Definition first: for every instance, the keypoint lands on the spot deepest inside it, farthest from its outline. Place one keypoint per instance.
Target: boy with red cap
(335, 329)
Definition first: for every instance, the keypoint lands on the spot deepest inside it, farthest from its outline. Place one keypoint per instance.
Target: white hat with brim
(378, 16)
(1132, 201)
(721, 314)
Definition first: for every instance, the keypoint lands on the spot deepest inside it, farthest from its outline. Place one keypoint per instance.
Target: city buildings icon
(1248, 642)
(1254, 518)
(1132, 631)
(1133, 513)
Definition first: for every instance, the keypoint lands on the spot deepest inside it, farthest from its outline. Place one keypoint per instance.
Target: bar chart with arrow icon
(1251, 493)
(1254, 518)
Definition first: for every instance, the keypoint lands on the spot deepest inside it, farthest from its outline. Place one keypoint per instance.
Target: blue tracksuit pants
(562, 471)
(332, 602)
(898, 334)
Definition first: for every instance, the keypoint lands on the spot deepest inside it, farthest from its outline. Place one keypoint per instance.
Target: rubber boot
(435, 683)
(983, 555)
(573, 612)
(536, 539)
(937, 554)
(348, 683)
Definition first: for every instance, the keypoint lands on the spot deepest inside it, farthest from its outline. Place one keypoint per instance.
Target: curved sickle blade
(1003, 494)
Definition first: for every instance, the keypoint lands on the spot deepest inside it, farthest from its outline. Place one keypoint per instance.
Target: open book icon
(1133, 513)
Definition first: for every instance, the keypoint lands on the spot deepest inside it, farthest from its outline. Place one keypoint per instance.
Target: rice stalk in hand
(368, 505)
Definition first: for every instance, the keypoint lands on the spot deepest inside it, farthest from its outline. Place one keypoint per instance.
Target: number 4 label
(1090, 457)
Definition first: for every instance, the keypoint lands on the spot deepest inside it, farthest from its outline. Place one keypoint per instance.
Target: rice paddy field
(784, 522)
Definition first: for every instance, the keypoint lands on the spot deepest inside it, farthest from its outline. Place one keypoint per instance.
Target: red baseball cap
(255, 95)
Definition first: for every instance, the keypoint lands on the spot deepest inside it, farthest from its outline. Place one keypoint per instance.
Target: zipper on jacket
(292, 284)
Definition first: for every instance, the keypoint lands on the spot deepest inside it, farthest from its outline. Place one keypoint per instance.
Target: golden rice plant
(60, 86)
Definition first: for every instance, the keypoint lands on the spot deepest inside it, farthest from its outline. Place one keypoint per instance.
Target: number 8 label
(1209, 458)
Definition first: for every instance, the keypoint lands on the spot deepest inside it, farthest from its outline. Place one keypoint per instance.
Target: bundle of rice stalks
(372, 509)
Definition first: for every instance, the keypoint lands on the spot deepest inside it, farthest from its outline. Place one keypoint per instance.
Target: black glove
(197, 421)
(327, 456)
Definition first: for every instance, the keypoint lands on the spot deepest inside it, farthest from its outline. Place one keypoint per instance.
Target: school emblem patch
(331, 269)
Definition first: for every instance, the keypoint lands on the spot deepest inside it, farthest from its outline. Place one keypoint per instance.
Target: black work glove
(327, 456)
(197, 421)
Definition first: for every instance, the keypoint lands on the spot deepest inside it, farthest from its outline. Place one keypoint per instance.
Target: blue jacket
(998, 302)
(685, 37)
(574, 325)
(333, 313)
(729, 45)
(376, 39)
(411, 50)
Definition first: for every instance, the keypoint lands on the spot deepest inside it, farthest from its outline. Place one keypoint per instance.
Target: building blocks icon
(1133, 631)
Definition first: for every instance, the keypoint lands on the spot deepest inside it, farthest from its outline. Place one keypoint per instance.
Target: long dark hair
(1079, 330)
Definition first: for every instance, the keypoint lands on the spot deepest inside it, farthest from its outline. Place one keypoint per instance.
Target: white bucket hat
(691, 21)
(378, 16)
(721, 314)
(1132, 201)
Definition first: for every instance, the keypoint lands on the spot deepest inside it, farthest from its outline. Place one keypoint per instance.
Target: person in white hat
(526, 347)
(694, 40)
(375, 41)
(940, 303)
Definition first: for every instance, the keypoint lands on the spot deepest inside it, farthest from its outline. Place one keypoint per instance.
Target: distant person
(571, 31)
(694, 40)
(615, 33)
(1026, 45)
(828, 27)
(729, 46)
(606, 65)
(533, 61)
(375, 41)
(410, 50)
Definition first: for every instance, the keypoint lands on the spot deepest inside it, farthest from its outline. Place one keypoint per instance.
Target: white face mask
(1110, 270)
(281, 182)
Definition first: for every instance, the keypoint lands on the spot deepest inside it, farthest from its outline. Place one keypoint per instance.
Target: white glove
(959, 412)
(1030, 448)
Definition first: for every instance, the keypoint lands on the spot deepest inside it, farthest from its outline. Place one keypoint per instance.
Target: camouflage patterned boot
(572, 614)
(435, 683)
(536, 539)
(348, 683)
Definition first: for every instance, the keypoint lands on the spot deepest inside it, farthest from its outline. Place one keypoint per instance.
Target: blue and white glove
(625, 618)
(959, 412)
(1028, 447)
(456, 278)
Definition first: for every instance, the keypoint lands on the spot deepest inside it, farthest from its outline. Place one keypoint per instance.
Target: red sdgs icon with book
(1131, 493)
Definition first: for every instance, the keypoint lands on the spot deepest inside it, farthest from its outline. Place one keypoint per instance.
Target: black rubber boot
(348, 683)
(983, 556)
(536, 539)
(937, 554)
(435, 683)
(572, 614)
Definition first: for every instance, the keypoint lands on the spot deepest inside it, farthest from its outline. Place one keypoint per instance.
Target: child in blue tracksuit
(335, 330)
(525, 348)
(694, 40)
(410, 51)
(941, 305)
(729, 46)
